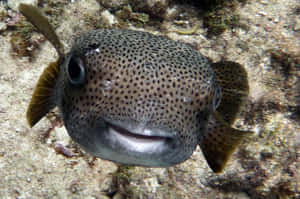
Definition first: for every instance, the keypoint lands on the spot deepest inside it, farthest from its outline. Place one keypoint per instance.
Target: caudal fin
(219, 142)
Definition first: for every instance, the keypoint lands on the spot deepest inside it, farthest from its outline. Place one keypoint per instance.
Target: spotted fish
(140, 99)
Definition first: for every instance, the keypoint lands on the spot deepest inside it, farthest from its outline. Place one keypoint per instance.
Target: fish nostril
(76, 71)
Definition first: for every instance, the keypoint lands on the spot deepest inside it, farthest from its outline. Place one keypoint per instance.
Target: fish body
(145, 99)
(136, 98)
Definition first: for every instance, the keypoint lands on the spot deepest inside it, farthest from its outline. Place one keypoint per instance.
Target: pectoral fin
(219, 142)
(43, 98)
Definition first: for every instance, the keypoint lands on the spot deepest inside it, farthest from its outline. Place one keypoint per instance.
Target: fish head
(122, 105)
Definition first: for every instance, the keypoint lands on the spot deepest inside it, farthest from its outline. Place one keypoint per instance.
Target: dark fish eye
(76, 71)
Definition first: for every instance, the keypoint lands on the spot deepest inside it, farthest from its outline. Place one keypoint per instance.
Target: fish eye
(76, 71)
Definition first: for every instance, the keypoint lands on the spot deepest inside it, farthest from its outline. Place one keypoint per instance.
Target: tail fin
(219, 142)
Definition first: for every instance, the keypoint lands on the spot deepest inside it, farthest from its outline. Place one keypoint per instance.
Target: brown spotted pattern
(137, 76)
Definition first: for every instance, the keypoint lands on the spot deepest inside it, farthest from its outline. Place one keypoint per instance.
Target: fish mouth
(132, 142)
(138, 139)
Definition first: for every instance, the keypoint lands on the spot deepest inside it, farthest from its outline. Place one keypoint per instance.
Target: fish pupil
(76, 71)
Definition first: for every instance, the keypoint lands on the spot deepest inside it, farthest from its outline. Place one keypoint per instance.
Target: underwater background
(261, 35)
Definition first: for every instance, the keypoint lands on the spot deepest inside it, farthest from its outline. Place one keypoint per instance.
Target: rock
(297, 24)
(119, 196)
(108, 19)
(113, 5)
(3, 26)
(156, 8)
(127, 14)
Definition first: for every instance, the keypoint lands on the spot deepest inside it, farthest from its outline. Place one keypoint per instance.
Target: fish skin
(139, 79)
(140, 99)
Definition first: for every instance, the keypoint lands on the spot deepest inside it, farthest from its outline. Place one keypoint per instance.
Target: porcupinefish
(139, 99)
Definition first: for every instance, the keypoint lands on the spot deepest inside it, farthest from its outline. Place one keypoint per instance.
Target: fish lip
(139, 141)
(152, 146)
(138, 130)
(124, 132)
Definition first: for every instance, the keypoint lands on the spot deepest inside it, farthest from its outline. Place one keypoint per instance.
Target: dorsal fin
(43, 98)
(232, 78)
(34, 16)
(219, 142)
